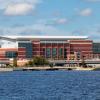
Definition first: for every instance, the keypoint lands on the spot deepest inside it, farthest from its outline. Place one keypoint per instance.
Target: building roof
(42, 37)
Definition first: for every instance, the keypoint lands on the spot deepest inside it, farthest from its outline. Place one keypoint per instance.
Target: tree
(15, 62)
(51, 65)
(38, 60)
(83, 62)
(14, 55)
(30, 63)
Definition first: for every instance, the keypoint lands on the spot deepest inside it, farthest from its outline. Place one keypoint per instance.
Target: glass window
(28, 47)
(48, 53)
(96, 47)
(65, 53)
(60, 51)
(11, 54)
(54, 52)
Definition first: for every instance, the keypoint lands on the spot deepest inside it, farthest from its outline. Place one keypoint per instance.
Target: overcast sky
(50, 17)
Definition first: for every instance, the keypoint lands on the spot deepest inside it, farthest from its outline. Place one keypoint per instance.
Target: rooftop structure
(17, 38)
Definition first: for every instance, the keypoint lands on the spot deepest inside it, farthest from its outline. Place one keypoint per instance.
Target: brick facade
(56, 50)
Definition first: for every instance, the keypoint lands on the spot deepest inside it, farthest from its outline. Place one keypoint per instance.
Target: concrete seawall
(43, 68)
(6, 69)
(34, 68)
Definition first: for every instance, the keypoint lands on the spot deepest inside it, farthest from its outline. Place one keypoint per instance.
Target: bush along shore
(40, 63)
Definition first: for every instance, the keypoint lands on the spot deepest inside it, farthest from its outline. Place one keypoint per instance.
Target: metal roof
(42, 37)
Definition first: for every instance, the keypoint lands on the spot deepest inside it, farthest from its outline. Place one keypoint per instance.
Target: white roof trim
(43, 37)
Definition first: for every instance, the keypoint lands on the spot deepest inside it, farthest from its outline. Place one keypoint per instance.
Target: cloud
(85, 12)
(93, 0)
(5, 3)
(18, 9)
(53, 21)
(92, 32)
(49, 29)
(94, 35)
(62, 21)
(36, 29)
(20, 30)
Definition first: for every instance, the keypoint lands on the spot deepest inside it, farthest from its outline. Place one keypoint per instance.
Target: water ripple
(50, 85)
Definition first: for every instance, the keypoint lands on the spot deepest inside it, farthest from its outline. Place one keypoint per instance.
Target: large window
(65, 53)
(28, 47)
(96, 47)
(48, 53)
(11, 54)
(60, 51)
(54, 52)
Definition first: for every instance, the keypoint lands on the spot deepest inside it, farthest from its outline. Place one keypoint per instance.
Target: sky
(50, 17)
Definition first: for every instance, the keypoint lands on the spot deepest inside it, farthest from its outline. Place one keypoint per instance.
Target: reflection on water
(50, 85)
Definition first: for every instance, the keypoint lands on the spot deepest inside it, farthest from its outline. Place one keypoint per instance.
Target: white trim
(44, 37)
(80, 43)
(22, 55)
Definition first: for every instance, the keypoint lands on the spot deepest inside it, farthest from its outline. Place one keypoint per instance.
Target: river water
(50, 85)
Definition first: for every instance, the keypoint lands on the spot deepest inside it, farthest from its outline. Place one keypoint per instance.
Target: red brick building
(50, 47)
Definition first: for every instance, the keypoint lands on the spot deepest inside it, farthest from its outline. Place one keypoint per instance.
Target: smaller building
(96, 50)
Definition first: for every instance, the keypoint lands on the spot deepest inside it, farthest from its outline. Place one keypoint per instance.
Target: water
(50, 85)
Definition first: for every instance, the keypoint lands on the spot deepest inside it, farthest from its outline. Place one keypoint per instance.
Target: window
(96, 47)
(11, 54)
(65, 53)
(48, 53)
(60, 51)
(54, 52)
(29, 48)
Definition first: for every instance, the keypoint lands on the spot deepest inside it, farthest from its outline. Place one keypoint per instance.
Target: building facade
(96, 50)
(56, 48)
(51, 47)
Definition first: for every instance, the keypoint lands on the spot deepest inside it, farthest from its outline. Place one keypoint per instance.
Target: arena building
(50, 47)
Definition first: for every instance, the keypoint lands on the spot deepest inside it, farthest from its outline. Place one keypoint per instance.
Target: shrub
(14, 62)
(38, 60)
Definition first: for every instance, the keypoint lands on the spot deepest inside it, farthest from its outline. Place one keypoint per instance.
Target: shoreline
(46, 69)
(6, 69)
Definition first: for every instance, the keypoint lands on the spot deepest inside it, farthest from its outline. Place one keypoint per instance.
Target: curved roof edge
(44, 37)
